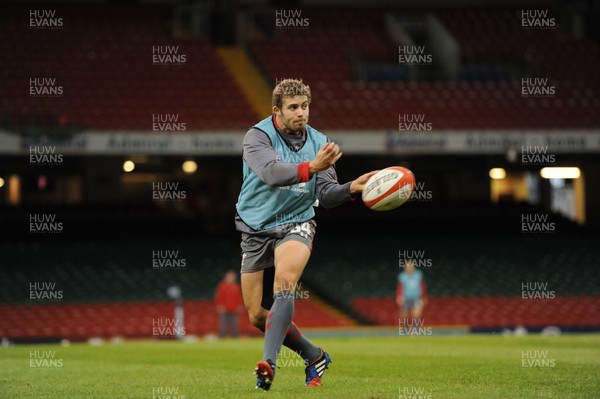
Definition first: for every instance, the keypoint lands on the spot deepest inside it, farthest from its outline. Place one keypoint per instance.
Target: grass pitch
(387, 367)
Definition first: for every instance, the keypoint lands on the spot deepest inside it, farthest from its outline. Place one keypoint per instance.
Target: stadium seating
(474, 278)
(81, 321)
(566, 312)
(495, 265)
(113, 289)
(104, 62)
(103, 59)
(487, 96)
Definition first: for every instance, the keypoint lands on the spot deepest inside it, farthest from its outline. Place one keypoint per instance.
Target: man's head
(230, 277)
(290, 101)
(409, 266)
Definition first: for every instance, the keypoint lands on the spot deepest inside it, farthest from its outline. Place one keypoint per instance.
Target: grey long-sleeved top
(262, 159)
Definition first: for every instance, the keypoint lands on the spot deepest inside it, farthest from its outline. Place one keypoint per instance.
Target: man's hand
(358, 185)
(327, 156)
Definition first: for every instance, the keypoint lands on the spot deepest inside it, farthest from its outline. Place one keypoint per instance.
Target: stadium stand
(104, 293)
(115, 85)
(483, 97)
(112, 287)
(572, 313)
(482, 290)
(133, 319)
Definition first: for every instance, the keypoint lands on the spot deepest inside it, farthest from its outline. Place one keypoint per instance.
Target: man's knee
(285, 281)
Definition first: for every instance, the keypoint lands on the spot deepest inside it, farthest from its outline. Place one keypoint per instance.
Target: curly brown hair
(289, 88)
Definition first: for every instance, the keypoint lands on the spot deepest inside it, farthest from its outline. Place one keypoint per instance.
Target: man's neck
(279, 126)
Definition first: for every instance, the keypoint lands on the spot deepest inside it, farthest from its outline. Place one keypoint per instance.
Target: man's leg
(252, 291)
(418, 309)
(296, 341)
(233, 318)
(257, 292)
(405, 310)
(290, 259)
(222, 324)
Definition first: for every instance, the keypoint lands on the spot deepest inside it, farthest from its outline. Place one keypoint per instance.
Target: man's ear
(276, 110)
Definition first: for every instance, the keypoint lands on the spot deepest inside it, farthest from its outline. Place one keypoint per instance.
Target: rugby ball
(389, 188)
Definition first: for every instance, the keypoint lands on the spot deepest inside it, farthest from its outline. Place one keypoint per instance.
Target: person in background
(228, 299)
(411, 291)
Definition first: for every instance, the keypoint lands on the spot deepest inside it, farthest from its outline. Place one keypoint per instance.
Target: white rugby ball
(389, 188)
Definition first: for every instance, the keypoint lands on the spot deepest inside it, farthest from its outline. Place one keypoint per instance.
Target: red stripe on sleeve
(303, 172)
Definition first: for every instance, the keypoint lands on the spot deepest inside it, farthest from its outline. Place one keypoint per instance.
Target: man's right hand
(326, 157)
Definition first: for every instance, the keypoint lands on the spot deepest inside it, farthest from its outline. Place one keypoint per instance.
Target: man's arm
(219, 299)
(331, 193)
(424, 292)
(399, 294)
(262, 159)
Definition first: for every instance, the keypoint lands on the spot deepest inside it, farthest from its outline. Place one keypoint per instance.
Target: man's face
(294, 112)
(230, 277)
